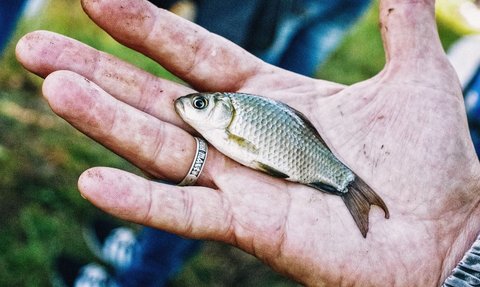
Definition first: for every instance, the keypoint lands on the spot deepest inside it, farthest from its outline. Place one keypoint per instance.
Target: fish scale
(287, 144)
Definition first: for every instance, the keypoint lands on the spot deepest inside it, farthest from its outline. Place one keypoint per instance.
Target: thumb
(410, 34)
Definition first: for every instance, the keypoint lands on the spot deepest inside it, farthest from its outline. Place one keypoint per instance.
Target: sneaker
(72, 273)
(111, 243)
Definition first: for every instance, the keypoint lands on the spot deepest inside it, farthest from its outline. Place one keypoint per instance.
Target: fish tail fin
(358, 200)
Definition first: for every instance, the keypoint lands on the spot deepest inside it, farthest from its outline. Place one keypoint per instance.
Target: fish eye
(199, 102)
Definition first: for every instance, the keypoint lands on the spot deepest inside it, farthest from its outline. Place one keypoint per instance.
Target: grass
(41, 157)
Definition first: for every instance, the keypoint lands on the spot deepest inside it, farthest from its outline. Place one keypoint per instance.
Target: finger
(203, 59)
(409, 33)
(161, 149)
(43, 52)
(197, 212)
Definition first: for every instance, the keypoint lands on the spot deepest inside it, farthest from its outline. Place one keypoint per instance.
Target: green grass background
(41, 157)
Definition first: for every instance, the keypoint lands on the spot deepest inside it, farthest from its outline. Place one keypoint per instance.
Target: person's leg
(9, 13)
(227, 18)
(464, 56)
(157, 257)
(472, 104)
(320, 35)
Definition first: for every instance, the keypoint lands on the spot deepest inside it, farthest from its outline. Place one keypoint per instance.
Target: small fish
(272, 137)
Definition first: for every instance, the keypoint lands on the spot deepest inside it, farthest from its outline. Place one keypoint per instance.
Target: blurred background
(41, 156)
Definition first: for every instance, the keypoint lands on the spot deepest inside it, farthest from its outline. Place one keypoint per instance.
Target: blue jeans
(308, 34)
(157, 257)
(10, 11)
(297, 35)
(472, 104)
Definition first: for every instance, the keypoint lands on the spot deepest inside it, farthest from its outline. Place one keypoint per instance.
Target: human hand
(404, 132)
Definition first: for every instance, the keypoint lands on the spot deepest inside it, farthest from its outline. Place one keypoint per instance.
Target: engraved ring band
(197, 164)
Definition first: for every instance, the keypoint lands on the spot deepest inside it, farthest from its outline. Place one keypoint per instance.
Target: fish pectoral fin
(269, 170)
(244, 143)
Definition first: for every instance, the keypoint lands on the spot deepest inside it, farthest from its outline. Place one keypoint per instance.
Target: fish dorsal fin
(308, 124)
(269, 170)
(242, 142)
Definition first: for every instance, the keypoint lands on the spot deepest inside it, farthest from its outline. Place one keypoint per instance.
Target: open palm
(403, 131)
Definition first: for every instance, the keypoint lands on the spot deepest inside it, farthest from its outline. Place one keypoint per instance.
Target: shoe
(111, 243)
(71, 273)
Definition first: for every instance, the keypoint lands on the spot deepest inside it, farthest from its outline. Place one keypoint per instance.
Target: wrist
(467, 271)
(460, 249)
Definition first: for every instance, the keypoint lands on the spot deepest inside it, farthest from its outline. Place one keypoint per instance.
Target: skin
(403, 131)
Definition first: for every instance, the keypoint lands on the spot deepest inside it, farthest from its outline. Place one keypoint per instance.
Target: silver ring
(197, 164)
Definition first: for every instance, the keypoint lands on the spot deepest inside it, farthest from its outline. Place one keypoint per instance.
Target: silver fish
(272, 137)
